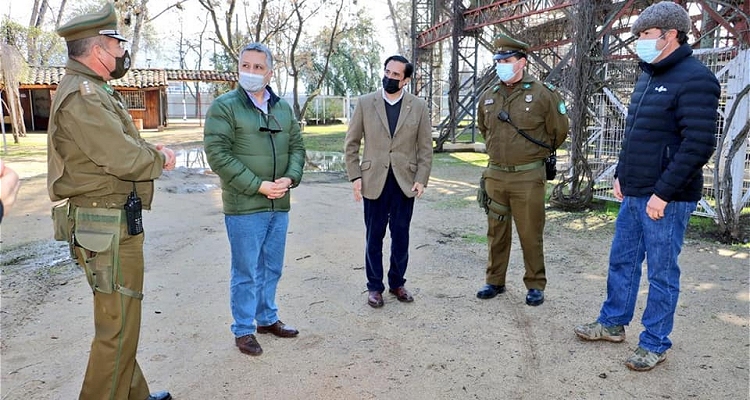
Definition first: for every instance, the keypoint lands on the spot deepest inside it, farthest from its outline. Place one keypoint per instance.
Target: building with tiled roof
(143, 89)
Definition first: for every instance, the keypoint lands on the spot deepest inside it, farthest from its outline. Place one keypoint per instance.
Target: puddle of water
(325, 161)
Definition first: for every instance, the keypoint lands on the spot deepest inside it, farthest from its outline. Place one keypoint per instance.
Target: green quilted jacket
(244, 153)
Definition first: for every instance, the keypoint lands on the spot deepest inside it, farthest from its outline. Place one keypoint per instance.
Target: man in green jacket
(253, 142)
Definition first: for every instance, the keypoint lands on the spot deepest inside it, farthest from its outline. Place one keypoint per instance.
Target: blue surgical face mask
(647, 51)
(505, 71)
(252, 82)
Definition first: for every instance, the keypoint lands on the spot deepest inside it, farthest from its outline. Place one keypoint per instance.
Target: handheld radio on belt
(133, 213)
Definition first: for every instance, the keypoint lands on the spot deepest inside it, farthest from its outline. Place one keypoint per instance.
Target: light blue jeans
(257, 244)
(638, 237)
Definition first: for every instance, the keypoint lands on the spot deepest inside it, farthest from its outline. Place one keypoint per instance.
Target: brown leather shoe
(402, 294)
(375, 299)
(279, 329)
(248, 345)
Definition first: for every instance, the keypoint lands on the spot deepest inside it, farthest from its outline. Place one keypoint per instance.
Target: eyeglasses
(270, 121)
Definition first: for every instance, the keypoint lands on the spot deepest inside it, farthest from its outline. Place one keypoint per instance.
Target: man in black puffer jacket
(669, 137)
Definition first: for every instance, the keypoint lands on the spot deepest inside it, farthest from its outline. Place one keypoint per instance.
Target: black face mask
(122, 65)
(391, 85)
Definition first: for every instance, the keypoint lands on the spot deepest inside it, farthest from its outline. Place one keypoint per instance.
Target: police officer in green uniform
(515, 177)
(97, 160)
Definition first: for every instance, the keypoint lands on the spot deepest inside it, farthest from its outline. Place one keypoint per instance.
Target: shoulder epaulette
(85, 88)
(550, 86)
(495, 88)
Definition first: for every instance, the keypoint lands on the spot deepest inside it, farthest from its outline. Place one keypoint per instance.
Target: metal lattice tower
(545, 25)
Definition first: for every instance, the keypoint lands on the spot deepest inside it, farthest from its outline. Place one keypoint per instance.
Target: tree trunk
(60, 13)
(394, 20)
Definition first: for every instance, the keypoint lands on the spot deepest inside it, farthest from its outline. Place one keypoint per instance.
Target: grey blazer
(408, 152)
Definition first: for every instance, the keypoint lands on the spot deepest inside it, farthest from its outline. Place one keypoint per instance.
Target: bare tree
(575, 189)
(223, 36)
(727, 212)
(63, 3)
(35, 26)
(11, 65)
(396, 29)
(294, 71)
(136, 13)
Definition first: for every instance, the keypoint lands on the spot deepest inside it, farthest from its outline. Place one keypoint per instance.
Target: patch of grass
(453, 202)
(473, 238)
(475, 159)
(605, 207)
(33, 145)
(324, 137)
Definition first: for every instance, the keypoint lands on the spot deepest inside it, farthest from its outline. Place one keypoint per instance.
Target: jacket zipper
(273, 150)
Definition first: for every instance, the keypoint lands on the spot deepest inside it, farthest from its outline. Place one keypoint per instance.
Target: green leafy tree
(354, 65)
(48, 48)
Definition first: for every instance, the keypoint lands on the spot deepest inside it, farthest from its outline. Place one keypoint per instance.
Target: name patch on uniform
(489, 101)
(85, 88)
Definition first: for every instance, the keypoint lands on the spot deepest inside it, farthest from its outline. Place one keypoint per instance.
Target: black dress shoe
(160, 396)
(490, 291)
(535, 297)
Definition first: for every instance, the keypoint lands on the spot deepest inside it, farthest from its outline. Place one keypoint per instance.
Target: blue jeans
(638, 237)
(257, 243)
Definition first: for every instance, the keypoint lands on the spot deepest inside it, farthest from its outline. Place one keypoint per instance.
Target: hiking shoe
(644, 360)
(597, 331)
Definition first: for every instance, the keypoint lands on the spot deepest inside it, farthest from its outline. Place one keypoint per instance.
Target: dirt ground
(446, 345)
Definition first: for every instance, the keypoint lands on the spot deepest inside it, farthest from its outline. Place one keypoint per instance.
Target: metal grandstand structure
(452, 44)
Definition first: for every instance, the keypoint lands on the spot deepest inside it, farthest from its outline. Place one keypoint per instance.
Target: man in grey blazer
(393, 169)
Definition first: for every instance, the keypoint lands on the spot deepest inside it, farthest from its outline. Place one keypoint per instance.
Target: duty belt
(516, 168)
(113, 201)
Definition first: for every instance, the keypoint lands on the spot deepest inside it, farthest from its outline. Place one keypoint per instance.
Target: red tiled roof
(200, 75)
(135, 78)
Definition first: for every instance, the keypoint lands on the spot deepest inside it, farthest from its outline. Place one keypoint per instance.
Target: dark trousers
(392, 209)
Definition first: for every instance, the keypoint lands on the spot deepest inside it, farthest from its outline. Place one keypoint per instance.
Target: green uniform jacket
(94, 151)
(533, 107)
(244, 156)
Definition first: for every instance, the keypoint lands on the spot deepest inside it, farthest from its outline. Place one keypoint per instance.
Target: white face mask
(252, 82)
(505, 71)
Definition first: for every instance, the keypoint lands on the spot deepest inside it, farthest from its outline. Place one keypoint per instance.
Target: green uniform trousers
(523, 192)
(112, 372)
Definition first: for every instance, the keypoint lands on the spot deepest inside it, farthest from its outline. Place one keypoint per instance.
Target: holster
(492, 208)
(96, 236)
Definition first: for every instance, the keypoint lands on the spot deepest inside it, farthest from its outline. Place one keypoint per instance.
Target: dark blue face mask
(391, 85)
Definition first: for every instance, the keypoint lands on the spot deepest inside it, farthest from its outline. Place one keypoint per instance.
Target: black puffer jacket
(670, 130)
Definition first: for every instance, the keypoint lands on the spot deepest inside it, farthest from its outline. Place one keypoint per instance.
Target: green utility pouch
(98, 231)
(60, 221)
(492, 208)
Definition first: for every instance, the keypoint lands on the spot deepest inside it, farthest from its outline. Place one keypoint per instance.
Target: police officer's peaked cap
(664, 15)
(506, 46)
(102, 22)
